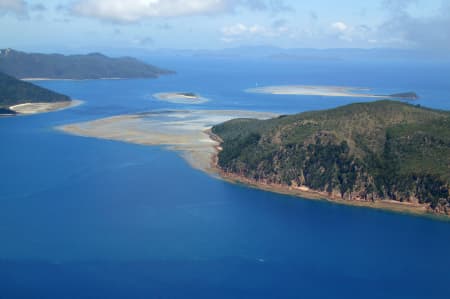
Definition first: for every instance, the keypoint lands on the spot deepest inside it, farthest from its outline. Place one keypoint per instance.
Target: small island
(180, 97)
(190, 95)
(405, 95)
(19, 97)
(384, 154)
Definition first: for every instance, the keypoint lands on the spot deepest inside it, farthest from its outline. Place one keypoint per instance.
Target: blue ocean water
(88, 218)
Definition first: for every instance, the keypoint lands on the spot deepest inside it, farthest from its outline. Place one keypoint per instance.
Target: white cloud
(234, 30)
(239, 31)
(132, 11)
(406, 30)
(339, 26)
(359, 34)
(137, 10)
(18, 7)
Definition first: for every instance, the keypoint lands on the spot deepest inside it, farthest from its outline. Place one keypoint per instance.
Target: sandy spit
(310, 90)
(183, 131)
(34, 108)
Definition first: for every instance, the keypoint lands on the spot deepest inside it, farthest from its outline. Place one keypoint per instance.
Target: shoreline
(304, 192)
(189, 134)
(68, 79)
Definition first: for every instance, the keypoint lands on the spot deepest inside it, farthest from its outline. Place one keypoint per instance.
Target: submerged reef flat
(180, 97)
(183, 131)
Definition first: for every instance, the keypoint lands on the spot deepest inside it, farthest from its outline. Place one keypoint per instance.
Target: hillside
(368, 151)
(91, 66)
(14, 92)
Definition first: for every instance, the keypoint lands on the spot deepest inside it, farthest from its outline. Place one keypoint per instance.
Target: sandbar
(184, 131)
(33, 108)
(311, 90)
(180, 97)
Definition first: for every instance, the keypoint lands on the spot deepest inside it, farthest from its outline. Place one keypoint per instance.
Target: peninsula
(35, 66)
(384, 154)
(19, 97)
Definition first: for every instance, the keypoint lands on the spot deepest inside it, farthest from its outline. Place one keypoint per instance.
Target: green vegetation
(188, 94)
(91, 66)
(381, 150)
(14, 91)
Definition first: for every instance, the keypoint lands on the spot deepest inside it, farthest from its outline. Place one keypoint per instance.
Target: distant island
(405, 95)
(78, 67)
(17, 97)
(384, 154)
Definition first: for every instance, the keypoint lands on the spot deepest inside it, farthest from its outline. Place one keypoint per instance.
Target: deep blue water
(88, 218)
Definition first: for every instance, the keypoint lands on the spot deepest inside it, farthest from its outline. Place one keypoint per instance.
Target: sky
(91, 25)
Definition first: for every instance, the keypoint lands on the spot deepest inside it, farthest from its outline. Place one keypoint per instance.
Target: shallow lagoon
(82, 216)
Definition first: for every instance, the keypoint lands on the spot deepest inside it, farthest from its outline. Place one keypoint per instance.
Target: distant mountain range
(91, 66)
(384, 150)
(292, 54)
(14, 92)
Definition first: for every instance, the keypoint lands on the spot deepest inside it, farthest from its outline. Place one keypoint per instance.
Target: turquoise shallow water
(83, 217)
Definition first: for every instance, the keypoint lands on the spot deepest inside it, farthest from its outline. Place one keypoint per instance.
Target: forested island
(14, 92)
(379, 152)
(405, 95)
(91, 66)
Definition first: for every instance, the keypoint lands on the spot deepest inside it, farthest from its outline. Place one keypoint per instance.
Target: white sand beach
(33, 108)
